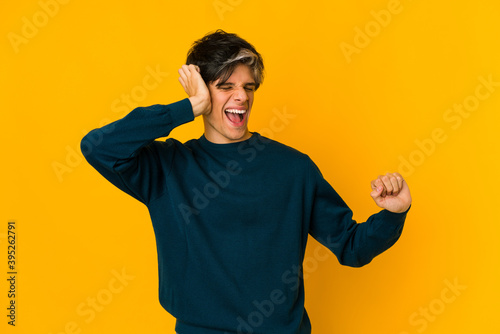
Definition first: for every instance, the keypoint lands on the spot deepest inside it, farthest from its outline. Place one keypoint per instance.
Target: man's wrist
(198, 104)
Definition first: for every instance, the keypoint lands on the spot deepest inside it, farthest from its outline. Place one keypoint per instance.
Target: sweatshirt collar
(206, 144)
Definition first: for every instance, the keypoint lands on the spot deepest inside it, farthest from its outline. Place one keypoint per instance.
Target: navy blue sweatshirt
(231, 221)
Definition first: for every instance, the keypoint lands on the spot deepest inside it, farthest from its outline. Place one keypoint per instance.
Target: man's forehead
(240, 70)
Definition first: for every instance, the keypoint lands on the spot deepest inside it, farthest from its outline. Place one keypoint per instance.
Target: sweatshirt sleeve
(126, 153)
(354, 244)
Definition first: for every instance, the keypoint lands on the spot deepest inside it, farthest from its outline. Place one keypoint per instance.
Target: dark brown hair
(217, 54)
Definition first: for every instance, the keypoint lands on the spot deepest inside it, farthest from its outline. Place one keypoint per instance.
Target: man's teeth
(236, 111)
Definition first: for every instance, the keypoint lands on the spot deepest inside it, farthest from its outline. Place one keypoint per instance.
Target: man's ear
(210, 86)
(211, 89)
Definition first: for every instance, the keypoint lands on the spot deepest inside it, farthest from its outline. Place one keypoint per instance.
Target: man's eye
(250, 89)
(225, 87)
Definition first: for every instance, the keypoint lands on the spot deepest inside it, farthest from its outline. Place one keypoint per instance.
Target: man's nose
(241, 94)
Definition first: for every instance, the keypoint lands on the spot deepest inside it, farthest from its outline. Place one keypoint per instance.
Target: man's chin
(239, 135)
(225, 133)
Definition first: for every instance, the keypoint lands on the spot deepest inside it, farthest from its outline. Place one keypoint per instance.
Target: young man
(232, 210)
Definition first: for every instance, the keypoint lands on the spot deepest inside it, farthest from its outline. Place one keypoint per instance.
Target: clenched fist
(391, 192)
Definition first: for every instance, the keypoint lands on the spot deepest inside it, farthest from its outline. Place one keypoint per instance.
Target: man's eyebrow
(232, 84)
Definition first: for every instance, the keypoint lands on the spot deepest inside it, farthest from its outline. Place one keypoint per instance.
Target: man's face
(231, 105)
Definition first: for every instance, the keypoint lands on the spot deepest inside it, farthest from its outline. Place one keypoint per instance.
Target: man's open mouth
(236, 116)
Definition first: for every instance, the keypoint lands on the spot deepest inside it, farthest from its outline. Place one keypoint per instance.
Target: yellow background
(356, 115)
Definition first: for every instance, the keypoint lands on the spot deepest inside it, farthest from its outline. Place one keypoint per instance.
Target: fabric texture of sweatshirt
(231, 221)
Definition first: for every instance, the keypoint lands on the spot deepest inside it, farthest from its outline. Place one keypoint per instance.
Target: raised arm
(357, 244)
(126, 153)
